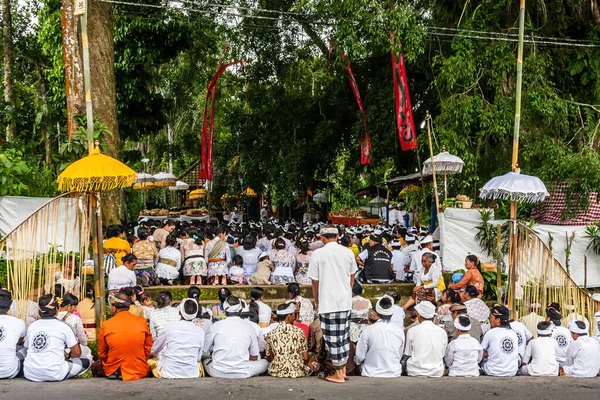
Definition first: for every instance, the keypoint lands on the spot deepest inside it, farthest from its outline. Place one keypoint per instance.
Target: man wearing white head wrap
(183, 345)
(463, 353)
(380, 346)
(235, 352)
(583, 354)
(540, 355)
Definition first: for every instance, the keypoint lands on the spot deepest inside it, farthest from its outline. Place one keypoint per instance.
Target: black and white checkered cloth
(336, 332)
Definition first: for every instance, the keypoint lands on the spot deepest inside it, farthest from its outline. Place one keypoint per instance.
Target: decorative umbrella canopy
(514, 186)
(165, 179)
(197, 194)
(143, 178)
(94, 173)
(320, 198)
(224, 197)
(444, 162)
(143, 186)
(409, 188)
(179, 185)
(249, 192)
(377, 200)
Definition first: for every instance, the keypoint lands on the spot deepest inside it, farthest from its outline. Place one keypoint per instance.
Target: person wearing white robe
(425, 344)
(583, 355)
(463, 353)
(540, 355)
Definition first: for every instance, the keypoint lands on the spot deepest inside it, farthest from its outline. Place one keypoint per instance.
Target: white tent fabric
(15, 209)
(458, 228)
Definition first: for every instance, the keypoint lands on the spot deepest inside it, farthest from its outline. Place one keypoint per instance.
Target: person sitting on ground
(183, 345)
(265, 267)
(251, 318)
(501, 345)
(235, 352)
(377, 262)
(381, 345)
(460, 309)
(583, 354)
(399, 260)
(160, 235)
(472, 277)
(524, 335)
(146, 253)
(259, 307)
(540, 355)
(287, 349)
(476, 308)
(67, 313)
(87, 309)
(399, 313)
(425, 344)
(123, 276)
(12, 336)
(46, 341)
(560, 334)
(236, 271)
(429, 282)
(359, 315)
(307, 311)
(218, 312)
(463, 354)
(132, 293)
(163, 314)
(449, 297)
(169, 262)
(124, 343)
(115, 244)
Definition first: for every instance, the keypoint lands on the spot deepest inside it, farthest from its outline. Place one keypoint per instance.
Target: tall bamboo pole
(435, 190)
(515, 161)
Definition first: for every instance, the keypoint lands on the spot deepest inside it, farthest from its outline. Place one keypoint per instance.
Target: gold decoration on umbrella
(143, 186)
(95, 172)
(409, 188)
(249, 193)
(224, 197)
(197, 194)
(164, 179)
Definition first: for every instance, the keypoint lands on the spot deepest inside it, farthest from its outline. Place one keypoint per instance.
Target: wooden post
(435, 190)
(498, 261)
(99, 301)
(585, 272)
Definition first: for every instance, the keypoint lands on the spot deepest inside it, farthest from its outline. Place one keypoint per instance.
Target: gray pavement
(266, 388)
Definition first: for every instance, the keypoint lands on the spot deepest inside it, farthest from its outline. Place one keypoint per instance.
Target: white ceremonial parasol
(444, 162)
(377, 200)
(142, 177)
(514, 187)
(179, 185)
(165, 179)
(320, 198)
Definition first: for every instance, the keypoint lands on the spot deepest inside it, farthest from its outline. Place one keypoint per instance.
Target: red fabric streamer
(208, 124)
(404, 116)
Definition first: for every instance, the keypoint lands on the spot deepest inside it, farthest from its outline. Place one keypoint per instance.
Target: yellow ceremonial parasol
(409, 188)
(197, 194)
(249, 193)
(94, 173)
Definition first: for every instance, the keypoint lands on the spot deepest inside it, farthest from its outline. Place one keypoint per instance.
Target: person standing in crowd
(377, 262)
(540, 355)
(234, 345)
(381, 345)
(332, 270)
(264, 213)
(46, 341)
(463, 354)
(218, 255)
(425, 344)
(583, 354)
(183, 344)
(124, 343)
(12, 336)
(160, 234)
(147, 254)
(169, 261)
(192, 253)
(123, 275)
(560, 334)
(163, 315)
(287, 349)
(501, 345)
(472, 277)
(115, 244)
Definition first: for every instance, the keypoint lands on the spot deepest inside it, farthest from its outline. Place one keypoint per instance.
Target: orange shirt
(472, 277)
(125, 342)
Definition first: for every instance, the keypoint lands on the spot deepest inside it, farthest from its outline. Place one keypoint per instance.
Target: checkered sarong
(336, 332)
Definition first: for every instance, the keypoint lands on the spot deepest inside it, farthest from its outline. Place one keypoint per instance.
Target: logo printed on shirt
(561, 340)
(2, 333)
(507, 345)
(519, 338)
(40, 342)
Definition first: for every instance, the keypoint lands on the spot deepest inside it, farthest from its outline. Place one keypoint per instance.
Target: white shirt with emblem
(563, 339)
(502, 347)
(523, 336)
(11, 330)
(46, 341)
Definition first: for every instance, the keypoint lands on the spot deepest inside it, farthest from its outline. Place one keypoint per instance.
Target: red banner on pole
(208, 124)
(404, 117)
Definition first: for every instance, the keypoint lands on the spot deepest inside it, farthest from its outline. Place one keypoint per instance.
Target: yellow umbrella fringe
(95, 184)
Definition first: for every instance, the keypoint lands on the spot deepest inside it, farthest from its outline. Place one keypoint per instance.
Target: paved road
(266, 388)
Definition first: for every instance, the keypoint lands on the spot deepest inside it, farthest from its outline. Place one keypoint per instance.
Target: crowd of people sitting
(437, 331)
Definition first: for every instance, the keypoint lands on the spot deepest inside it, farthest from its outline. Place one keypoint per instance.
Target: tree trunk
(104, 97)
(9, 65)
(41, 94)
(72, 57)
(595, 6)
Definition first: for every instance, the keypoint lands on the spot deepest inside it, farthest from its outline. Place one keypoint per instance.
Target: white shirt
(333, 265)
(183, 345)
(160, 318)
(398, 316)
(233, 341)
(379, 350)
(11, 330)
(399, 261)
(250, 258)
(264, 312)
(502, 346)
(260, 336)
(463, 356)
(77, 324)
(417, 256)
(540, 357)
(46, 341)
(523, 335)
(530, 321)
(583, 358)
(121, 277)
(563, 338)
(426, 346)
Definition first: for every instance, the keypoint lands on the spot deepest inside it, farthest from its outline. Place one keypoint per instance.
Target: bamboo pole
(435, 190)
(87, 81)
(585, 272)
(498, 261)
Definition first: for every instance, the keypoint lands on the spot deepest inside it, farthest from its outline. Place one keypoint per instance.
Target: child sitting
(236, 271)
(463, 353)
(263, 271)
(146, 302)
